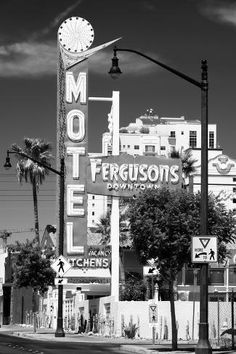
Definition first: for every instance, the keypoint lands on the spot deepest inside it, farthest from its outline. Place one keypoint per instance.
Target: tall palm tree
(103, 227)
(28, 170)
(188, 162)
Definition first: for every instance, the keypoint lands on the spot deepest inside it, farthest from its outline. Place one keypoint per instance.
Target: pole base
(203, 349)
(59, 332)
(203, 345)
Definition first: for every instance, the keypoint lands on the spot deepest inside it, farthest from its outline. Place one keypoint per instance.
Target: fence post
(232, 317)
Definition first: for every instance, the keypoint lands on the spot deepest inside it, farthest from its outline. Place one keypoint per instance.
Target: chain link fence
(221, 321)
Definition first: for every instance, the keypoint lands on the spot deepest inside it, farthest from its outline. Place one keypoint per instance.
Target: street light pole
(203, 345)
(59, 331)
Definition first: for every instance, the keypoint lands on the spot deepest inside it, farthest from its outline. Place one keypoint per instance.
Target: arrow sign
(197, 255)
(61, 281)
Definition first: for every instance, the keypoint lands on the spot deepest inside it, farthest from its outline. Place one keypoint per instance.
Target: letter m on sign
(76, 89)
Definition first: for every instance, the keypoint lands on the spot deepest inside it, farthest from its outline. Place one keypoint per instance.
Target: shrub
(133, 290)
(130, 330)
(144, 130)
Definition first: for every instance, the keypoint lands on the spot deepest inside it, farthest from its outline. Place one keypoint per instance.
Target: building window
(123, 146)
(216, 276)
(193, 139)
(189, 277)
(172, 134)
(163, 148)
(182, 133)
(234, 189)
(93, 213)
(136, 147)
(93, 204)
(234, 200)
(211, 140)
(149, 148)
(128, 146)
(234, 179)
(232, 276)
(93, 197)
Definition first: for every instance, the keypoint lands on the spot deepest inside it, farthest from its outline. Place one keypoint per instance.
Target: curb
(138, 349)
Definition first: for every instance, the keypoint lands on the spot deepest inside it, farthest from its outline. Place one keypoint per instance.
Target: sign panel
(61, 266)
(72, 140)
(153, 316)
(204, 249)
(60, 281)
(150, 271)
(126, 175)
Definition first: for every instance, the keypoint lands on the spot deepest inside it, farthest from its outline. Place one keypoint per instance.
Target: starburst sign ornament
(76, 35)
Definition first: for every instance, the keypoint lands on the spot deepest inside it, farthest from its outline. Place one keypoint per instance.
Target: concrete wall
(116, 315)
(109, 317)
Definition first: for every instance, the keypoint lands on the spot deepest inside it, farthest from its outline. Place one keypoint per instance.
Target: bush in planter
(130, 330)
(144, 130)
(133, 290)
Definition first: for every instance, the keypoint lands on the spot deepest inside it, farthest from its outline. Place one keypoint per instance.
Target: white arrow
(70, 59)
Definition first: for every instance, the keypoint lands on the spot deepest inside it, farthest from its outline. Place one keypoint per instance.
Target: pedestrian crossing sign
(153, 317)
(61, 266)
(204, 249)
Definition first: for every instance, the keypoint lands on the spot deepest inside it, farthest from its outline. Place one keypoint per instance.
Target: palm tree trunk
(173, 318)
(34, 310)
(122, 269)
(36, 216)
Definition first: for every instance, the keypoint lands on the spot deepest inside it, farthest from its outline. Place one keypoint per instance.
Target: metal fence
(222, 322)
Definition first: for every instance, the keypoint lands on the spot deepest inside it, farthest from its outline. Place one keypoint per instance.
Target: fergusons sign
(126, 175)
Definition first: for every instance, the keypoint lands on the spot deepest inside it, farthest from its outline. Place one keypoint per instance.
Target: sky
(178, 33)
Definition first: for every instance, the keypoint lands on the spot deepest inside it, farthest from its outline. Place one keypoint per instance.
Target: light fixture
(7, 164)
(115, 70)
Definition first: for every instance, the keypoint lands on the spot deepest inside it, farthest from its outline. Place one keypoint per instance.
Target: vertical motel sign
(76, 146)
(75, 36)
(73, 128)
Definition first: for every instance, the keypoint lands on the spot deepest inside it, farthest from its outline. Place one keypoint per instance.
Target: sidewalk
(139, 346)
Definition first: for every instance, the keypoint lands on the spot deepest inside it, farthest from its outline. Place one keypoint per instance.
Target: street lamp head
(115, 70)
(7, 164)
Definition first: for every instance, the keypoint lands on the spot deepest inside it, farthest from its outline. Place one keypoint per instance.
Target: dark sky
(178, 33)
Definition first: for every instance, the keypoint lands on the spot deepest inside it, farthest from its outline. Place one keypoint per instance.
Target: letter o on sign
(75, 125)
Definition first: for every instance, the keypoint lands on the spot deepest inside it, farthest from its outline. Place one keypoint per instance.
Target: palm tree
(28, 170)
(188, 162)
(103, 228)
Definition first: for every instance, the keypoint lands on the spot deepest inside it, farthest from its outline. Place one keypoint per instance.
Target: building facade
(155, 136)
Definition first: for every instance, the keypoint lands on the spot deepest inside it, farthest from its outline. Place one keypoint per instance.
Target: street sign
(61, 266)
(150, 271)
(153, 318)
(204, 249)
(61, 281)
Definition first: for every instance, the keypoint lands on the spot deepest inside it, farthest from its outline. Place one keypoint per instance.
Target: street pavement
(139, 346)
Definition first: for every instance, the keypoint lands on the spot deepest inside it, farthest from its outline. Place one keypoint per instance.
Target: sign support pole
(115, 218)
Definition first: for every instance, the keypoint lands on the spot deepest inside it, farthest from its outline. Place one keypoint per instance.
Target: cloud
(28, 59)
(224, 12)
(33, 58)
(55, 22)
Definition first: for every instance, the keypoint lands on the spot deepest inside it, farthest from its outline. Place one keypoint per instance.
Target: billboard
(126, 175)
